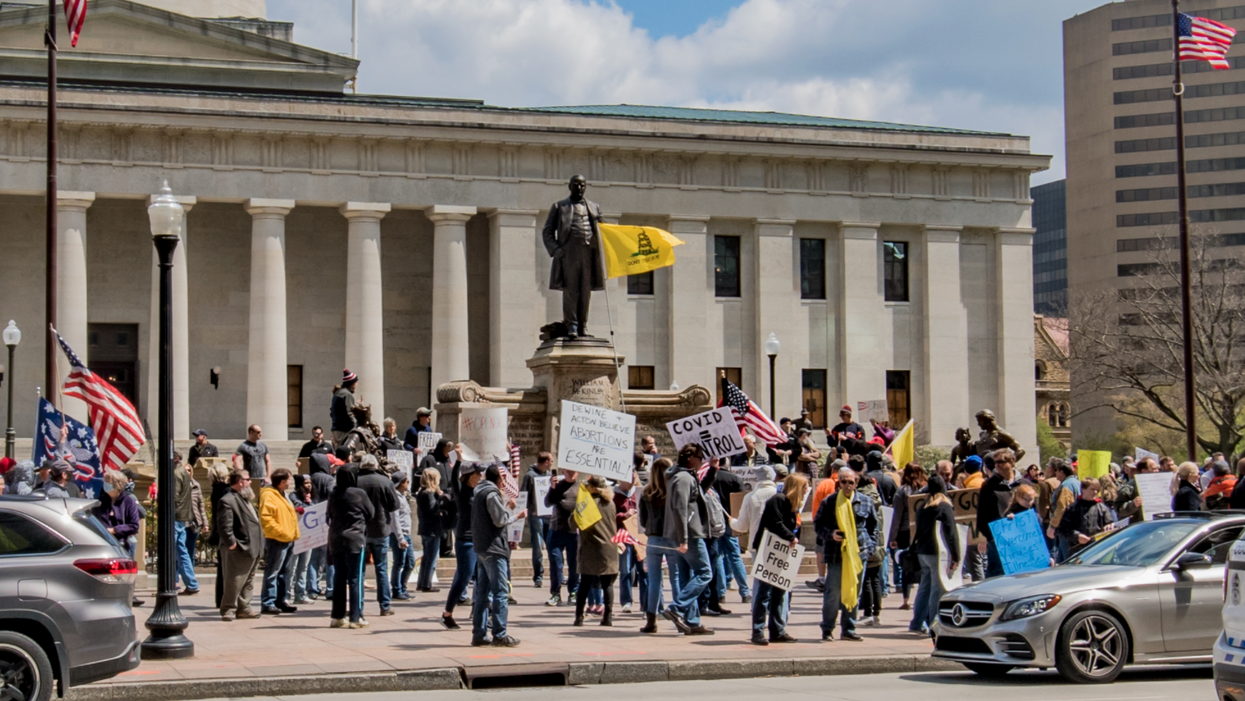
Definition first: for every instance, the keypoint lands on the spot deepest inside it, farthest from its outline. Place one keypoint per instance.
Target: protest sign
(313, 528)
(952, 579)
(875, 410)
(715, 431)
(777, 562)
(514, 529)
(542, 485)
(888, 515)
(964, 501)
(632, 525)
(403, 459)
(428, 441)
(1021, 545)
(737, 502)
(596, 441)
(1092, 463)
(482, 434)
(1155, 490)
(1142, 454)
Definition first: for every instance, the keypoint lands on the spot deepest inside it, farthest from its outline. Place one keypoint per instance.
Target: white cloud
(804, 56)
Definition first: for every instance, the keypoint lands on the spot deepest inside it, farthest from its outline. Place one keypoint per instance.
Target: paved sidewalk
(302, 643)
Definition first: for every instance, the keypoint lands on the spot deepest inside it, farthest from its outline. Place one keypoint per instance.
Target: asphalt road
(1192, 684)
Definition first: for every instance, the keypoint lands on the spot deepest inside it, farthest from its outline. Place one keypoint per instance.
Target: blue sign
(1020, 543)
(79, 448)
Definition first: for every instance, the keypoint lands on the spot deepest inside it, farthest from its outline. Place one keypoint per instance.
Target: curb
(577, 674)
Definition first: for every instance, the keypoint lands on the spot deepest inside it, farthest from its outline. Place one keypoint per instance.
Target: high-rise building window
(812, 268)
(726, 266)
(294, 386)
(640, 377)
(895, 268)
(640, 284)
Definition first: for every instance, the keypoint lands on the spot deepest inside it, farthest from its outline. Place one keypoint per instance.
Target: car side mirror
(1192, 561)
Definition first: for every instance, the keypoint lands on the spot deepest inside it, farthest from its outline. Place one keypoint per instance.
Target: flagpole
(1186, 304)
(49, 293)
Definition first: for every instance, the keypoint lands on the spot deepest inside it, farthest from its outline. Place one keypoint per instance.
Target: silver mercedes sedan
(1150, 593)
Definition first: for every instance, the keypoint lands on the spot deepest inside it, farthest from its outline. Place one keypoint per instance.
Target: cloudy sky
(979, 64)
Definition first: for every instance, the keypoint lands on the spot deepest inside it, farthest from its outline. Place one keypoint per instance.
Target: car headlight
(1030, 607)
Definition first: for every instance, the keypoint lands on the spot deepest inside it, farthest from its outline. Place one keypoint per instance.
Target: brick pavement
(299, 644)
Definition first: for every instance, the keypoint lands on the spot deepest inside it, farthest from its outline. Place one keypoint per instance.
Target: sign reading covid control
(714, 431)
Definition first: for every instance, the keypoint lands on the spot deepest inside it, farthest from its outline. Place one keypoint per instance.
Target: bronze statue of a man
(572, 236)
(992, 437)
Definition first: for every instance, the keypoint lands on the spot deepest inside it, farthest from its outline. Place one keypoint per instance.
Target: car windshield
(1139, 545)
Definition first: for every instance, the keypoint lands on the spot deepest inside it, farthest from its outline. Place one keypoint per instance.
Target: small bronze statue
(963, 447)
(572, 236)
(992, 437)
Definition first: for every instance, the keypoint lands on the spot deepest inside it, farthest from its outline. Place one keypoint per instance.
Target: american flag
(118, 430)
(624, 537)
(75, 15)
(749, 415)
(514, 460)
(1202, 39)
(78, 448)
(509, 486)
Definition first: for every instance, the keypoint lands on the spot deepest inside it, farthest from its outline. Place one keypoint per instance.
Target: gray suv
(65, 591)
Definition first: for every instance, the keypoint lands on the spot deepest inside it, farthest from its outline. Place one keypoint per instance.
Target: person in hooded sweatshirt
(537, 525)
(463, 484)
(563, 538)
(320, 471)
(443, 458)
(489, 518)
(349, 513)
(20, 479)
(384, 498)
(686, 517)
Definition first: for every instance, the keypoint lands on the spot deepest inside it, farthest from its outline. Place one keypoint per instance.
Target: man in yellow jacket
(279, 519)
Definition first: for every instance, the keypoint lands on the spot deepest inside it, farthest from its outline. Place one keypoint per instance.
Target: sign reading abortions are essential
(482, 434)
(777, 562)
(596, 441)
(715, 431)
(428, 441)
(313, 528)
(1022, 547)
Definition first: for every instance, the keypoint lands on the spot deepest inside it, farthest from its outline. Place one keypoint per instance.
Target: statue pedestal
(580, 370)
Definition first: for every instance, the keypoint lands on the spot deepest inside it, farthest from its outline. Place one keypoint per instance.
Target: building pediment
(129, 43)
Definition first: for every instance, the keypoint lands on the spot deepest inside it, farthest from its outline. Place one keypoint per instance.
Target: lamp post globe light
(12, 337)
(167, 623)
(772, 346)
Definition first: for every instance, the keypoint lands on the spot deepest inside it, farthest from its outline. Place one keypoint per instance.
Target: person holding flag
(845, 521)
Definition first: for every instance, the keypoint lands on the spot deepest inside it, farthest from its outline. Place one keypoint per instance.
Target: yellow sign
(1092, 463)
(586, 511)
(630, 250)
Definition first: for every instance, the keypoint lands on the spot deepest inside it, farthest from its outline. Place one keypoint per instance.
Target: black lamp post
(771, 349)
(167, 622)
(12, 337)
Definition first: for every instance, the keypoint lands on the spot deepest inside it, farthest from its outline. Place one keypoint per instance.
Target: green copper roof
(739, 117)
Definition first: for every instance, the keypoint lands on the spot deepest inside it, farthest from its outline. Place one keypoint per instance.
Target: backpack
(715, 521)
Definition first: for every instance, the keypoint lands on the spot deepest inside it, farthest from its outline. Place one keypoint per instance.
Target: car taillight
(112, 570)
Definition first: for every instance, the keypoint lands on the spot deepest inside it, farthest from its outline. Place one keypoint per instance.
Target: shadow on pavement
(1038, 677)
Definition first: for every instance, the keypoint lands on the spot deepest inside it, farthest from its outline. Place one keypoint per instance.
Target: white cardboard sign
(428, 441)
(313, 528)
(715, 431)
(874, 409)
(542, 485)
(482, 434)
(954, 579)
(777, 563)
(596, 441)
(1155, 490)
(404, 459)
(514, 530)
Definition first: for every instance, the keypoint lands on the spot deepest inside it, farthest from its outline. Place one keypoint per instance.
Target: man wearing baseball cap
(201, 448)
(845, 429)
(340, 410)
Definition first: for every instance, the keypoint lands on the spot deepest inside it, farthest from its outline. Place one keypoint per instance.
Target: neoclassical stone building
(400, 237)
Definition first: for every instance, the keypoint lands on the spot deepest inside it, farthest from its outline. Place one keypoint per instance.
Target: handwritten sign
(428, 441)
(1142, 454)
(542, 485)
(403, 459)
(951, 578)
(1022, 547)
(596, 441)
(1155, 490)
(715, 431)
(482, 433)
(888, 516)
(874, 409)
(313, 528)
(777, 562)
(964, 501)
(514, 529)
(1092, 463)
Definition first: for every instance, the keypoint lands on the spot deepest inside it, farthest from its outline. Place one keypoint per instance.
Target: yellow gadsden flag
(586, 511)
(630, 250)
(903, 448)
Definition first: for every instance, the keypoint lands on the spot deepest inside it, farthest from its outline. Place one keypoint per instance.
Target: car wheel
(24, 669)
(1092, 648)
(988, 669)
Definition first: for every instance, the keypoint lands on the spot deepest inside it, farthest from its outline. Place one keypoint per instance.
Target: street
(1191, 684)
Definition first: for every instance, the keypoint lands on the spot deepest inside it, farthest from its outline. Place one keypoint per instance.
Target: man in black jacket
(537, 525)
(992, 503)
(341, 410)
(384, 500)
(317, 444)
(201, 448)
(831, 533)
(563, 538)
(489, 517)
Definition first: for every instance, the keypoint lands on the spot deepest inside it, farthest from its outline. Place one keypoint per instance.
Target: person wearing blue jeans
(836, 537)
(694, 576)
(730, 565)
(563, 548)
(659, 548)
(538, 532)
(184, 530)
(319, 564)
(928, 594)
(631, 571)
(464, 479)
(378, 548)
(685, 525)
(489, 517)
(278, 568)
(537, 525)
(400, 541)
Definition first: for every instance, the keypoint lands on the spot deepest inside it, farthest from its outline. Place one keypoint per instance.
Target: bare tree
(1127, 345)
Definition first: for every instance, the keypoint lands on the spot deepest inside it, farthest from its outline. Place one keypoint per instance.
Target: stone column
(71, 289)
(777, 292)
(946, 338)
(1017, 410)
(691, 294)
(450, 342)
(365, 328)
(181, 336)
(863, 359)
(515, 314)
(267, 401)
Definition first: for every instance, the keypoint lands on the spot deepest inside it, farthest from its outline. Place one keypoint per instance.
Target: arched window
(1065, 413)
(1052, 415)
(1039, 371)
